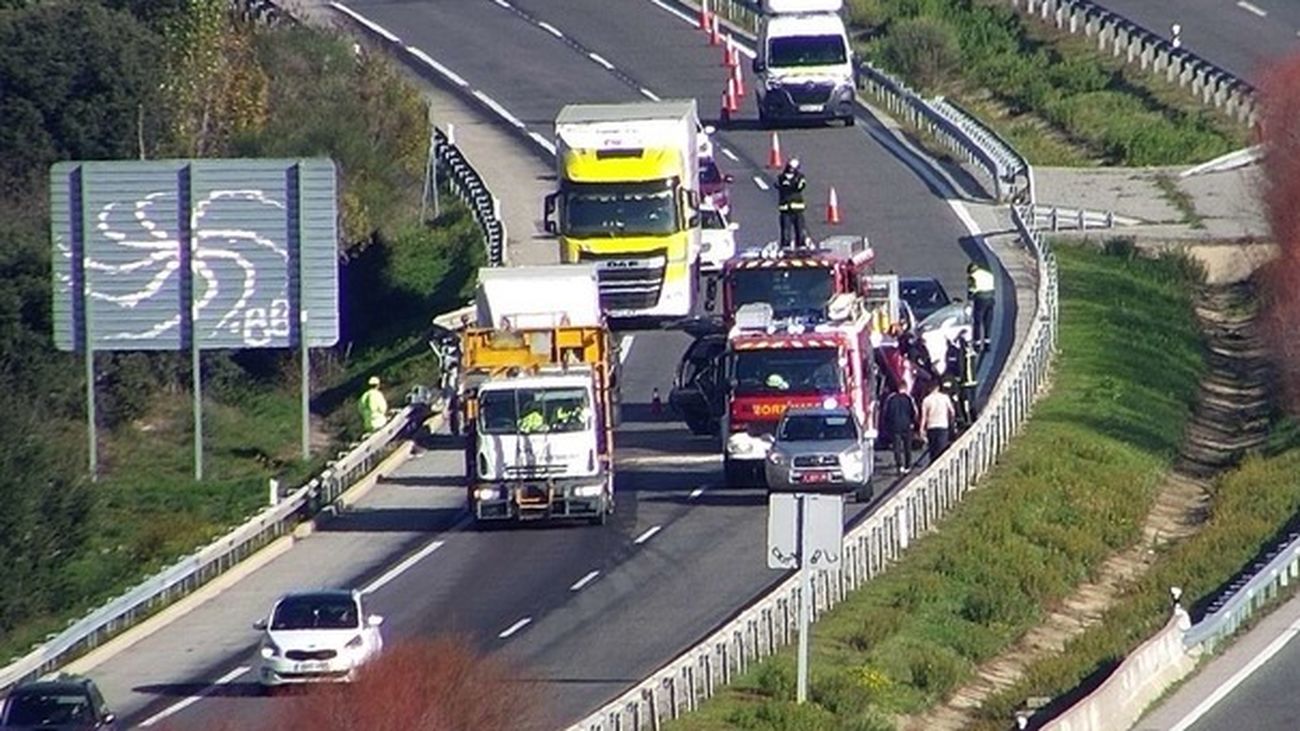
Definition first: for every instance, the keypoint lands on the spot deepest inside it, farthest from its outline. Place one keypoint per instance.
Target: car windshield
(711, 219)
(48, 709)
(806, 51)
(925, 295)
(648, 210)
(793, 370)
(533, 410)
(819, 428)
(791, 292)
(316, 612)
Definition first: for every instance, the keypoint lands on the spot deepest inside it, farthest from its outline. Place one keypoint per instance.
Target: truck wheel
(699, 427)
(863, 493)
(735, 474)
(849, 121)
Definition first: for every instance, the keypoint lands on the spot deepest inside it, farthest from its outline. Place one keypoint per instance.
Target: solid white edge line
(762, 184)
(648, 535)
(1254, 9)
(515, 627)
(182, 705)
(697, 492)
(600, 60)
(397, 570)
(502, 3)
(624, 347)
(1240, 676)
(452, 75)
(731, 155)
(577, 585)
(372, 25)
(695, 22)
(545, 143)
(649, 94)
(506, 115)
(549, 28)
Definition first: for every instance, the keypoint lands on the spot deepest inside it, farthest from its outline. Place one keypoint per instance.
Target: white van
(805, 65)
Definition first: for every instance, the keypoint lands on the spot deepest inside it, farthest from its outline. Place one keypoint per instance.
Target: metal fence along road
(1213, 85)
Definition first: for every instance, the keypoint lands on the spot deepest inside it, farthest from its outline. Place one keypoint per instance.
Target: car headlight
(851, 459)
(588, 490)
(270, 649)
(486, 493)
(776, 458)
(355, 643)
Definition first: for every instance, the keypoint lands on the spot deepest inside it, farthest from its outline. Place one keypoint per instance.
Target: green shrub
(922, 49)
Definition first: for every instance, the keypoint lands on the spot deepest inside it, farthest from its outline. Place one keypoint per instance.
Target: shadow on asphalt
(394, 520)
(202, 690)
(426, 481)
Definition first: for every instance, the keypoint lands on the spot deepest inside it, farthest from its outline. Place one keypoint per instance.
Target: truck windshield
(533, 410)
(615, 211)
(791, 292)
(801, 370)
(819, 428)
(806, 51)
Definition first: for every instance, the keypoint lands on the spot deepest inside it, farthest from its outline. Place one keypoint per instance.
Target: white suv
(316, 637)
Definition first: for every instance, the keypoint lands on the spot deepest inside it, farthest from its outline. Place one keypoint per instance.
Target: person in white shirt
(937, 418)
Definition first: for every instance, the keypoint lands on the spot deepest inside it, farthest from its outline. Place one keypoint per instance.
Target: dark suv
(66, 703)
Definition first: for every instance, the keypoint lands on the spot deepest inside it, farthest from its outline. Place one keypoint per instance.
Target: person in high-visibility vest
(789, 188)
(980, 285)
(373, 406)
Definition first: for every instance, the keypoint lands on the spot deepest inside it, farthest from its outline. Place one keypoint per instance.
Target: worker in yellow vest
(373, 406)
(980, 287)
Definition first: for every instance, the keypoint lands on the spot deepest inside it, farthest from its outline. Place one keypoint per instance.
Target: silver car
(820, 449)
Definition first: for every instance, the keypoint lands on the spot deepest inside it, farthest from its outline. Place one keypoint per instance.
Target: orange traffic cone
(730, 105)
(729, 55)
(833, 208)
(704, 15)
(656, 406)
(739, 77)
(715, 34)
(774, 153)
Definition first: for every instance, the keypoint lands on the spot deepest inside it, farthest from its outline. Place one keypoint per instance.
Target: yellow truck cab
(628, 202)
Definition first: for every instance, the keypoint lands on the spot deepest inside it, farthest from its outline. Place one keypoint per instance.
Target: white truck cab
(804, 65)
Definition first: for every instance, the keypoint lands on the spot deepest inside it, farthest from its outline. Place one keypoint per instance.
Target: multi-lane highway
(586, 611)
(1239, 35)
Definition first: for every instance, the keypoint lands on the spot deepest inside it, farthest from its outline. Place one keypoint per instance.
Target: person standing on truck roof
(937, 416)
(980, 286)
(373, 406)
(790, 203)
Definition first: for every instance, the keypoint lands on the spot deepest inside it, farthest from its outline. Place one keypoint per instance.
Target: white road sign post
(804, 531)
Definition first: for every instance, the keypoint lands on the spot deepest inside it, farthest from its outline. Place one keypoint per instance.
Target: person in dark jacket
(900, 420)
(790, 202)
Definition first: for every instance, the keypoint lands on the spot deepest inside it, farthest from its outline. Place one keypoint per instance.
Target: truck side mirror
(548, 213)
(758, 66)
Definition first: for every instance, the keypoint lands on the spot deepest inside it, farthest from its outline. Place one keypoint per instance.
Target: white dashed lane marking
(515, 627)
(1252, 9)
(648, 535)
(550, 28)
(182, 705)
(762, 184)
(577, 585)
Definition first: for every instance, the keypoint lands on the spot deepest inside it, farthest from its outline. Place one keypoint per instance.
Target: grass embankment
(1052, 95)
(66, 544)
(1073, 489)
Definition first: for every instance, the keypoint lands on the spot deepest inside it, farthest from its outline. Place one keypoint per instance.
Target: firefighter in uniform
(980, 285)
(789, 187)
(966, 381)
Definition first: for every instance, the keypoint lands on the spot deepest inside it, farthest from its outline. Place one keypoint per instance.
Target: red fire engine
(775, 363)
(797, 282)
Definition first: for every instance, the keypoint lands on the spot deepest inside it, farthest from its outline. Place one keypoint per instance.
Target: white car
(316, 637)
(942, 327)
(717, 238)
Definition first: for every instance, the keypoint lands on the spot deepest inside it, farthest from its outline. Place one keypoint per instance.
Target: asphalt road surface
(587, 611)
(1242, 36)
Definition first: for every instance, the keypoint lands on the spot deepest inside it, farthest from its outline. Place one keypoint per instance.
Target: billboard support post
(82, 276)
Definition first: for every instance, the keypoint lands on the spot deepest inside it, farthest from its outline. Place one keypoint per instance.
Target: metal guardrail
(1227, 613)
(1055, 218)
(468, 185)
(1214, 85)
(195, 570)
